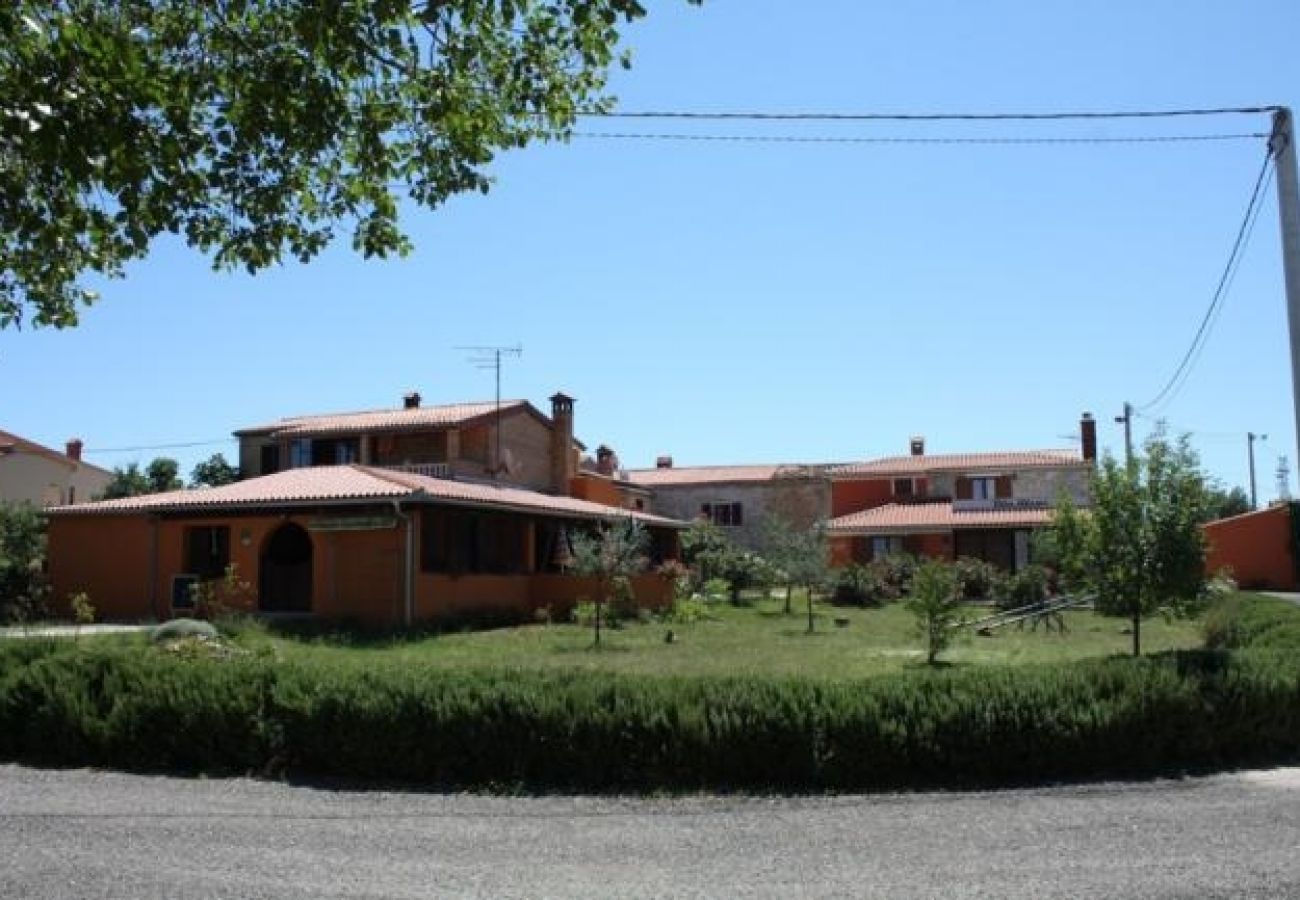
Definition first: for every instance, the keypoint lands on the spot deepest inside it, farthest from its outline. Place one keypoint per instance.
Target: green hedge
(140, 708)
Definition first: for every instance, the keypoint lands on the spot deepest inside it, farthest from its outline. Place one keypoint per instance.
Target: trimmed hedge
(138, 708)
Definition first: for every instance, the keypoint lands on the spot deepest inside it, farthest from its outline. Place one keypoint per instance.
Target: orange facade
(126, 565)
(850, 496)
(1259, 548)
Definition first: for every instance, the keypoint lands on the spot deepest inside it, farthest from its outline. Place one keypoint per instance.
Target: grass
(754, 640)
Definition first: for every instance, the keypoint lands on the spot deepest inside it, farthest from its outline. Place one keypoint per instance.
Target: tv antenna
(490, 357)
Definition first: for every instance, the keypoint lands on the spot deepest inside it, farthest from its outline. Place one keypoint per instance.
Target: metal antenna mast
(490, 358)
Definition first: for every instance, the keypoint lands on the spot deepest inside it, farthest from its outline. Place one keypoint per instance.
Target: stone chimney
(606, 461)
(1088, 437)
(918, 445)
(664, 462)
(411, 400)
(73, 450)
(562, 461)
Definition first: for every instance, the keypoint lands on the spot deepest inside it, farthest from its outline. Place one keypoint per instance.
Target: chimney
(1088, 437)
(918, 445)
(411, 400)
(562, 461)
(664, 462)
(73, 449)
(606, 461)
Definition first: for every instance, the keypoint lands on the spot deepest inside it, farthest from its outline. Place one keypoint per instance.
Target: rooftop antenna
(489, 357)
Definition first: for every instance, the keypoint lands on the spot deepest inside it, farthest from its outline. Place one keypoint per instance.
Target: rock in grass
(183, 628)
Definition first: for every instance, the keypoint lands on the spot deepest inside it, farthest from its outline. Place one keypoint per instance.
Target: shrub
(975, 578)
(1242, 620)
(935, 604)
(896, 570)
(1013, 590)
(24, 589)
(857, 585)
(109, 705)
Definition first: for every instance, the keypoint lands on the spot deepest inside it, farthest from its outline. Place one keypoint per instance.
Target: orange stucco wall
(126, 565)
(596, 489)
(854, 496)
(1257, 547)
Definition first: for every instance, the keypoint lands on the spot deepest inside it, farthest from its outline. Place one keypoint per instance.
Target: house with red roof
(383, 517)
(36, 474)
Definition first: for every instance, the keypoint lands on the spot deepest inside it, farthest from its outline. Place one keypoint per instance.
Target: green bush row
(140, 708)
(1247, 620)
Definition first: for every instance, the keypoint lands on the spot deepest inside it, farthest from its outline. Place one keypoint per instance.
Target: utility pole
(490, 358)
(1127, 421)
(1251, 437)
(1282, 145)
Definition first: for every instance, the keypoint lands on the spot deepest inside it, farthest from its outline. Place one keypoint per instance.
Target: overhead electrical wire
(926, 117)
(831, 139)
(1221, 291)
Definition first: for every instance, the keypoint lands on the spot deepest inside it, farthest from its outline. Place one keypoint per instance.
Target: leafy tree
(1141, 548)
(126, 482)
(162, 475)
(257, 128)
(213, 472)
(613, 554)
(23, 587)
(935, 603)
(801, 555)
(706, 550)
(1222, 503)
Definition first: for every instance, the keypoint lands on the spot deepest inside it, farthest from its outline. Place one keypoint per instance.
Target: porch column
(366, 450)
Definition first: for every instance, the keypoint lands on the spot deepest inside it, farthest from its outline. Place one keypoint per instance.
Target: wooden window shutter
(963, 488)
(1003, 487)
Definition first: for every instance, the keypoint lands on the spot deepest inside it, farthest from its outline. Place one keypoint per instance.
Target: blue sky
(744, 302)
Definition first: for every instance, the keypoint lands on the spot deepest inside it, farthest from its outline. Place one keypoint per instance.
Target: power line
(1220, 293)
(927, 117)
(179, 446)
(802, 139)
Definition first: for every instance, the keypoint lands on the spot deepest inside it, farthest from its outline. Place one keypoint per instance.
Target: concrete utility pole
(1251, 437)
(1282, 146)
(1127, 420)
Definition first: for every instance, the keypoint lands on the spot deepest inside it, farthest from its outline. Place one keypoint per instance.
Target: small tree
(126, 482)
(936, 605)
(163, 475)
(213, 472)
(613, 554)
(706, 550)
(23, 587)
(1141, 549)
(799, 554)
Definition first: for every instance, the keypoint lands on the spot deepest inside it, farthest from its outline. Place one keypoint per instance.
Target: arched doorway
(285, 580)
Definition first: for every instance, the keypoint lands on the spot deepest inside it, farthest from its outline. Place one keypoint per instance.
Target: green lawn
(750, 640)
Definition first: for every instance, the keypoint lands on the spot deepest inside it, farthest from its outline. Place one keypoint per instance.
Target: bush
(975, 578)
(1243, 620)
(1014, 590)
(24, 589)
(141, 709)
(857, 585)
(896, 570)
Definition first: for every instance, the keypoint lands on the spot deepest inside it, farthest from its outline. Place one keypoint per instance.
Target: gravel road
(73, 834)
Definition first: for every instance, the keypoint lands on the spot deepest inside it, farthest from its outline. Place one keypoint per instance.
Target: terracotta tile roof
(12, 443)
(331, 485)
(902, 518)
(385, 419)
(961, 462)
(688, 475)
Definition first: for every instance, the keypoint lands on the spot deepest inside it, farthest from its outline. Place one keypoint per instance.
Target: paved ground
(86, 834)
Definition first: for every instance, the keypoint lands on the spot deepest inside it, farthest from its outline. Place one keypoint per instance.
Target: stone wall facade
(802, 500)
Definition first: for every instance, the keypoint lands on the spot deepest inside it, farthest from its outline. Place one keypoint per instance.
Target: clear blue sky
(739, 303)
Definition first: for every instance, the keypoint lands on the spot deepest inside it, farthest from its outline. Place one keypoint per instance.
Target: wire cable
(799, 139)
(927, 117)
(1220, 293)
(179, 446)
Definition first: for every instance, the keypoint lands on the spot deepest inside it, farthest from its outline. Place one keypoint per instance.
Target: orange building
(1261, 549)
(339, 542)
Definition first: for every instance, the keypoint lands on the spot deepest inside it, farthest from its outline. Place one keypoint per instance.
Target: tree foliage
(213, 472)
(1141, 548)
(129, 481)
(1223, 503)
(23, 587)
(935, 604)
(255, 129)
(800, 555)
(613, 554)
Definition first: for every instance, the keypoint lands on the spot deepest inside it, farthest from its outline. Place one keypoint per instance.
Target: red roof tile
(903, 518)
(385, 419)
(960, 462)
(688, 475)
(353, 485)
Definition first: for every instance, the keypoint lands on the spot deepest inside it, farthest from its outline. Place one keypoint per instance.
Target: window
(466, 542)
(983, 488)
(270, 459)
(726, 513)
(299, 453)
(903, 487)
(207, 551)
(882, 546)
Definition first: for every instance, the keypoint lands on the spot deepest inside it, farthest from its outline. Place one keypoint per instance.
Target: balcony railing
(429, 470)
